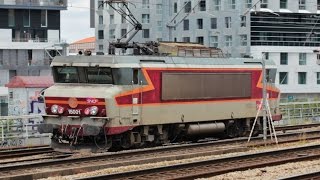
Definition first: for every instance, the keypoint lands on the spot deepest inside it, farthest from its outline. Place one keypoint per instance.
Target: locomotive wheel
(125, 141)
(102, 143)
(233, 130)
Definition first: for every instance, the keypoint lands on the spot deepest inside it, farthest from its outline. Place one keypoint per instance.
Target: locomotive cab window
(99, 75)
(128, 76)
(135, 76)
(66, 75)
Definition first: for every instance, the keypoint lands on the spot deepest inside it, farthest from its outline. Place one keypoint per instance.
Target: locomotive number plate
(74, 111)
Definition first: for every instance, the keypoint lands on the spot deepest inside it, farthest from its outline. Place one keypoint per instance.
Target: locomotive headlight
(60, 109)
(94, 110)
(54, 109)
(87, 111)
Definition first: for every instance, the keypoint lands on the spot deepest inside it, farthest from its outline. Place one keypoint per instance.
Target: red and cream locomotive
(133, 101)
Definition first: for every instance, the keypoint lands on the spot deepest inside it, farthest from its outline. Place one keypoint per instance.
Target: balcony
(35, 40)
(34, 4)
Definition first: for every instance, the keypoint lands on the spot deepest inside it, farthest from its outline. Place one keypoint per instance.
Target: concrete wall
(24, 101)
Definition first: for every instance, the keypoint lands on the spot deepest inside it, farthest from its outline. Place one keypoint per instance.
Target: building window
(26, 18)
(228, 22)
(44, 18)
(318, 77)
(264, 4)
(100, 5)
(175, 7)
(100, 47)
(111, 34)
(302, 4)
(124, 33)
(200, 40)
(11, 18)
(213, 41)
(284, 58)
(145, 4)
(187, 7)
(29, 57)
(202, 5)
(100, 34)
(100, 19)
(186, 39)
(217, 5)
(228, 40)
(302, 58)
(123, 19)
(318, 4)
(243, 21)
(145, 18)
(159, 23)
(213, 23)
(232, 4)
(112, 19)
(243, 40)
(1, 57)
(302, 78)
(186, 24)
(159, 8)
(248, 3)
(145, 33)
(283, 77)
(283, 4)
(265, 55)
(200, 23)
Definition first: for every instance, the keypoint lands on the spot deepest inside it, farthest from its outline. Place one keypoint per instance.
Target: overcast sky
(75, 21)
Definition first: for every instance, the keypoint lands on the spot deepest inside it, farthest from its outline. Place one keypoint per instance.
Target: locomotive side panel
(202, 86)
(196, 95)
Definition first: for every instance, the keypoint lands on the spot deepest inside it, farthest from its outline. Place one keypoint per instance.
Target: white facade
(256, 28)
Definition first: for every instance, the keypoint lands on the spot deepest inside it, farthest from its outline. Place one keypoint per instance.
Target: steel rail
(209, 168)
(295, 127)
(85, 164)
(306, 176)
(24, 152)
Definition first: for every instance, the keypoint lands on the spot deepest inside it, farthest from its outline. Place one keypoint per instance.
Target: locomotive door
(136, 97)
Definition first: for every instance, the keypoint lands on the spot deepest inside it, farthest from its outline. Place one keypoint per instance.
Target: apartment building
(29, 30)
(285, 31)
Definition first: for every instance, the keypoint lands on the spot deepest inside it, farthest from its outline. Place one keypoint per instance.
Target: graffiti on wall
(36, 104)
(12, 143)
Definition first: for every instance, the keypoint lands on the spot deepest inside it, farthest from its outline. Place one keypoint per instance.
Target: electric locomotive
(136, 101)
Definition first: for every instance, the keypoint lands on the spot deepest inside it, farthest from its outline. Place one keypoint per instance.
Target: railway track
(295, 127)
(70, 166)
(307, 176)
(13, 153)
(209, 168)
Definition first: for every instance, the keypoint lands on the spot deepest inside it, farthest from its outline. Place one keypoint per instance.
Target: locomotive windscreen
(179, 86)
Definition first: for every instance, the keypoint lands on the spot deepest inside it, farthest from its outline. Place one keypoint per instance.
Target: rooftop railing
(45, 40)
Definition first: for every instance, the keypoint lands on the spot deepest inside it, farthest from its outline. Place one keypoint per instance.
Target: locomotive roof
(111, 60)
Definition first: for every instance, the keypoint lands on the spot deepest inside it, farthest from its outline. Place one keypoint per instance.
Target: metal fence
(299, 111)
(21, 131)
